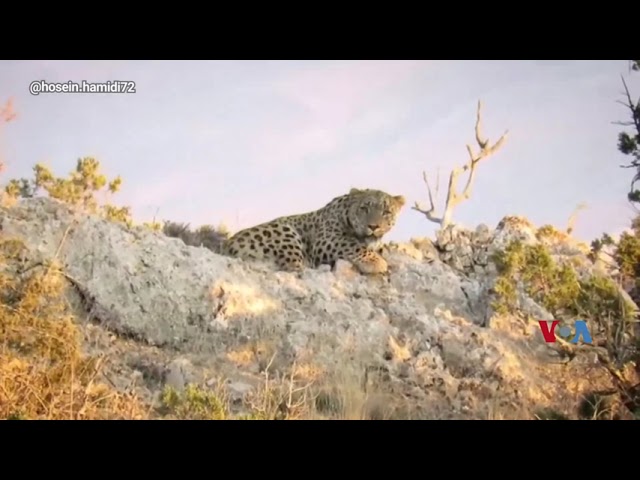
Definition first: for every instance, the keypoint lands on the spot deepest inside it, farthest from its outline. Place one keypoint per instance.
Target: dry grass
(43, 371)
(290, 396)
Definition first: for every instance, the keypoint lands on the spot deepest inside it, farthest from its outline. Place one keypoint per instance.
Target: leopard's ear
(354, 190)
(400, 200)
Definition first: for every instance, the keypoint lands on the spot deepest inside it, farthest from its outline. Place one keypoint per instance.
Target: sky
(242, 142)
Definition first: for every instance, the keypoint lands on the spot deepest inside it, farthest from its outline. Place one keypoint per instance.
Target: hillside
(168, 330)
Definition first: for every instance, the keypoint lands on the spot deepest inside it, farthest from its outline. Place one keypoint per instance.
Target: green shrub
(79, 189)
(194, 403)
(556, 287)
(596, 299)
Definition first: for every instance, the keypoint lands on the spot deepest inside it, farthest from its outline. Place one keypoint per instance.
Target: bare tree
(453, 197)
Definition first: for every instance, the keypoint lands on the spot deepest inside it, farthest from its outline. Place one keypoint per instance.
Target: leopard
(347, 228)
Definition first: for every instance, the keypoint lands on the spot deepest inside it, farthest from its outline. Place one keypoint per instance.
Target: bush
(556, 287)
(78, 190)
(596, 299)
(205, 236)
(624, 257)
(193, 404)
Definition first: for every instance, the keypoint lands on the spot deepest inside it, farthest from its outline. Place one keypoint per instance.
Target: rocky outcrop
(427, 328)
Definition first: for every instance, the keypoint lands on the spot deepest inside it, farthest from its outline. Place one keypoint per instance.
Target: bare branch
(623, 123)
(630, 104)
(430, 212)
(7, 113)
(574, 216)
(453, 197)
(624, 104)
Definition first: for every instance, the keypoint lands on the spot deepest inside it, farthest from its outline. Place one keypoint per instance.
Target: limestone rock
(240, 316)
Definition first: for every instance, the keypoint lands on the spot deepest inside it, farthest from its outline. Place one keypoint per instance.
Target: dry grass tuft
(43, 372)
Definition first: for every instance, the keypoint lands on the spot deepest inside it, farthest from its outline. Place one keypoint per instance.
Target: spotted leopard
(345, 228)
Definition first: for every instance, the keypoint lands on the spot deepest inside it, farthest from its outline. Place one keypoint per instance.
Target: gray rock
(178, 374)
(146, 286)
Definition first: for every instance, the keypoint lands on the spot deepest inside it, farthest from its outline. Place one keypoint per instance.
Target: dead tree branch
(453, 197)
(631, 106)
(7, 113)
(574, 216)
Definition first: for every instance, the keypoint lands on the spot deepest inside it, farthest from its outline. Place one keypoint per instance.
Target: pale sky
(241, 142)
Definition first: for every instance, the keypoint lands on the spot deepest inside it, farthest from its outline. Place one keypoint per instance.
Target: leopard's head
(372, 213)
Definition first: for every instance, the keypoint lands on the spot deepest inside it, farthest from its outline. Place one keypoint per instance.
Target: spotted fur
(344, 229)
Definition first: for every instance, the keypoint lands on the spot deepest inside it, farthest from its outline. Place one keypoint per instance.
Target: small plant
(155, 226)
(551, 233)
(194, 403)
(79, 189)
(546, 231)
(21, 188)
(274, 401)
